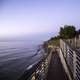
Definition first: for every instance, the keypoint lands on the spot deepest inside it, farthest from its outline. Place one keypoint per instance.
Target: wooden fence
(72, 57)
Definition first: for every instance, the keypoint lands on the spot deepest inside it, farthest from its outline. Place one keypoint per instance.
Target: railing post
(33, 76)
(74, 64)
(72, 57)
(40, 72)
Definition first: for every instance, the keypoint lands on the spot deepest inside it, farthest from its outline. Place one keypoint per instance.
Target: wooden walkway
(56, 70)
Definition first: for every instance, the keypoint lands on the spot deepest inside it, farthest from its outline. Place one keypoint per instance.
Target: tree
(61, 32)
(67, 32)
(78, 33)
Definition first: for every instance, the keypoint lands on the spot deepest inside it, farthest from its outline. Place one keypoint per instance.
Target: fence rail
(38, 70)
(72, 57)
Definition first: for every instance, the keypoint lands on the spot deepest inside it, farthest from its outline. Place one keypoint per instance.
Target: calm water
(15, 57)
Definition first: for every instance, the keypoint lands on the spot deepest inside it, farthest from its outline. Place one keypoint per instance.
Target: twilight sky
(37, 17)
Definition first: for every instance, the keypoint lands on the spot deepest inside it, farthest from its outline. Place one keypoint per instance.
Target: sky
(37, 18)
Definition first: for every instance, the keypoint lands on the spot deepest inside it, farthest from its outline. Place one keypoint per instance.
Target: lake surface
(15, 57)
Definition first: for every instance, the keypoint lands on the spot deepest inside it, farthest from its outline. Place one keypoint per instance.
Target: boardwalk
(56, 70)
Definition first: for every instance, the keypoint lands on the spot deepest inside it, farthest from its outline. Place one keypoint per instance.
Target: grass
(54, 42)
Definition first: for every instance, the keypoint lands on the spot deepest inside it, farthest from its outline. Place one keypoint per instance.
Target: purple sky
(37, 17)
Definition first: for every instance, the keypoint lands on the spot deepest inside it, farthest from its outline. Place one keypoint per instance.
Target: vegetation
(66, 32)
(54, 41)
(77, 33)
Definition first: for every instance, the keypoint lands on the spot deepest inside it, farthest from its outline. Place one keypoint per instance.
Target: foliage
(78, 33)
(67, 32)
(54, 42)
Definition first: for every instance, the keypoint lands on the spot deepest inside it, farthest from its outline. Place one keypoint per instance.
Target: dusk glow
(31, 17)
(39, 39)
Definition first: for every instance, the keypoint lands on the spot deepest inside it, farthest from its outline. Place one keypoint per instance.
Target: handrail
(29, 71)
(72, 47)
(72, 57)
(33, 68)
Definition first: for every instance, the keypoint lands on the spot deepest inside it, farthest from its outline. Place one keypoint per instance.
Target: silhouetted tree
(67, 32)
(78, 33)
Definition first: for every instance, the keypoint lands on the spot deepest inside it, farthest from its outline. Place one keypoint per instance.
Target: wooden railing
(38, 71)
(72, 57)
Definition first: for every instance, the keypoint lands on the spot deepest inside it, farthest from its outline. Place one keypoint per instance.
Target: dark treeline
(66, 32)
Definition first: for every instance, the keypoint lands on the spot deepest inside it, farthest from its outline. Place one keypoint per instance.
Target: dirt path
(56, 70)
